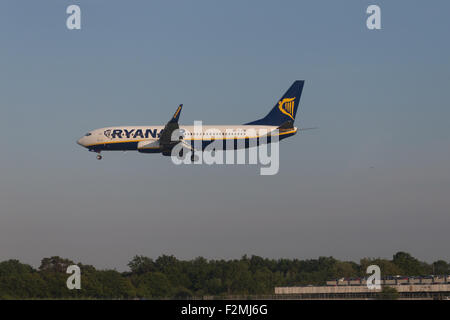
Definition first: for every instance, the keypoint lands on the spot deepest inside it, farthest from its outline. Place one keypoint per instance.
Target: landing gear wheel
(99, 157)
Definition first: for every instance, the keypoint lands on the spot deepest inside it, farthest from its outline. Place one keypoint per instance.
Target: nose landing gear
(99, 156)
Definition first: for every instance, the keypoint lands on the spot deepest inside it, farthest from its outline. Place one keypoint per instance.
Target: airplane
(160, 139)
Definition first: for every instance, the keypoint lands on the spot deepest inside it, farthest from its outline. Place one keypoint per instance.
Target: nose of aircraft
(81, 142)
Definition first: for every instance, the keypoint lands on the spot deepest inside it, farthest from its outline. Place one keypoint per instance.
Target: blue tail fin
(285, 109)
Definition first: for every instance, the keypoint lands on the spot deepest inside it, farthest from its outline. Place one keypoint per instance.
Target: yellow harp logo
(177, 112)
(287, 106)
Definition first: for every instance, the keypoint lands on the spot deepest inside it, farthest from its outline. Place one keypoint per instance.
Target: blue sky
(373, 180)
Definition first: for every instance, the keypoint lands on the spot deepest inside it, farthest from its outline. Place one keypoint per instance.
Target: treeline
(168, 277)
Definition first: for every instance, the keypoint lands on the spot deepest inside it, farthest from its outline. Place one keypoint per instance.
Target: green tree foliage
(18, 280)
(154, 285)
(388, 293)
(387, 267)
(113, 285)
(168, 277)
(409, 265)
(140, 265)
(14, 267)
(440, 267)
(55, 264)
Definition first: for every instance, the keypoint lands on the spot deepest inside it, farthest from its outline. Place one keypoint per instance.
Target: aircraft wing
(188, 146)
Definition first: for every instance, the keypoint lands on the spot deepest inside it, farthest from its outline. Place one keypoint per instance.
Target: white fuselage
(138, 137)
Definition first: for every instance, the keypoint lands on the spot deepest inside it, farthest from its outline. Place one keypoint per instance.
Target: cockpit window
(88, 134)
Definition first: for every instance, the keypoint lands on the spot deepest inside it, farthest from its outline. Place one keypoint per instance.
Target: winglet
(176, 115)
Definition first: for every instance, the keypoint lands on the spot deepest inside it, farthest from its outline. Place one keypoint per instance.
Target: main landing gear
(99, 156)
(194, 157)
